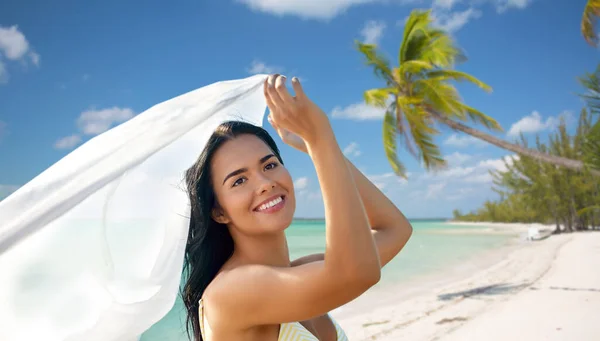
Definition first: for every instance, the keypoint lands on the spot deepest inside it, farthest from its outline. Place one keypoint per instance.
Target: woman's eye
(239, 181)
(271, 165)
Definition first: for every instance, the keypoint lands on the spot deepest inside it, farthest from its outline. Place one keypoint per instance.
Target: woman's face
(254, 191)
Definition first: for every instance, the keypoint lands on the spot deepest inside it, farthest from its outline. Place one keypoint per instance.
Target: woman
(241, 284)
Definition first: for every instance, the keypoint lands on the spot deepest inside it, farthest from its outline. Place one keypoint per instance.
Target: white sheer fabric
(92, 248)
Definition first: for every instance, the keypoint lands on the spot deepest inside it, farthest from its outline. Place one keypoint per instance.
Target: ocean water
(432, 248)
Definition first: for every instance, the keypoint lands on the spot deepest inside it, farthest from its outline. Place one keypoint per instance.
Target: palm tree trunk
(556, 160)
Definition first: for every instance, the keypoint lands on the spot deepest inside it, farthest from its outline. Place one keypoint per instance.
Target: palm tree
(591, 82)
(591, 13)
(418, 95)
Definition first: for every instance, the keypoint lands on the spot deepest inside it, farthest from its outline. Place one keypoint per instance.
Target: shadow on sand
(494, 289)
(575, 289)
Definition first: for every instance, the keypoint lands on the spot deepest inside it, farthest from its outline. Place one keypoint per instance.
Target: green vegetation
(418, 94)
(531, 191)
(591, 13)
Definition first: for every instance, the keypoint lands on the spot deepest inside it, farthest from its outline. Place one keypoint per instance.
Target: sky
(71, 70)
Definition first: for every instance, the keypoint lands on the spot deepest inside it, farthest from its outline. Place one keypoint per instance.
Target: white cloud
(454, 21)
(35, 58)
(504, 5)
(259, 67)
(352, 150)
(446, 4)
(93, 122)
(456, 158)
(482, 174)
(358, 111)
(314, 195)
(85, 77)
(498, 164)
(387, 181)
(465, 173)
(15, 47)
(461, 193)
(428, 194)
(68, 142)
(306, 9)
(301, 183)
(13, 43)
(534, 124)
(372, 31)
(462, 141)
(434, 190)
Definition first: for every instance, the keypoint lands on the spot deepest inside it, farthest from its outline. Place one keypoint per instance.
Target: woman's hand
(289, 138)
(298, 121)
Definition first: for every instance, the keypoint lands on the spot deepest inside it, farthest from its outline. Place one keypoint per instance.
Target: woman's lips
(275, 208)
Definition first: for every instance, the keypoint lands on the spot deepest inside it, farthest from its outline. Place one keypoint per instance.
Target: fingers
(272, 94)
(270, 102)
(280, 102)
(298, 88)
(277, 91)
(282, 90)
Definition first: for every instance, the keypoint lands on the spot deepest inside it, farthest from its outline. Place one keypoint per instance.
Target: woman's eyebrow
(242, 170)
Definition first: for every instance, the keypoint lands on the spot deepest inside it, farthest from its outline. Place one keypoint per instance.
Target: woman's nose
(266, 184)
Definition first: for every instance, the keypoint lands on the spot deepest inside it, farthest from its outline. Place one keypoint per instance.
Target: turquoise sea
(432, 248)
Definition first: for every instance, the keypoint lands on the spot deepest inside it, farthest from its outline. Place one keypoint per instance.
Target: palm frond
(441, 97)
(477, 116)
(591, 13)
(441, 49)
(381, 66)
(422, 133)
(416, 22)
(389, 144)
(379, 97)
(591, 81)
(444, 99)
(445, 75)
(404, 137)
(411, 69)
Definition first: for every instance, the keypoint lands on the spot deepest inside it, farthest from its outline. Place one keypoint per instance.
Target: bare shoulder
(216, 306)
(249, 296)
(229, 283)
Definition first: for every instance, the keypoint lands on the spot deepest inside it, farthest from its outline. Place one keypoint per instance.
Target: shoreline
(433, 306)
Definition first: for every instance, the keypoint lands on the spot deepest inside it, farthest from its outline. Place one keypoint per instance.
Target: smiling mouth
(272, 206)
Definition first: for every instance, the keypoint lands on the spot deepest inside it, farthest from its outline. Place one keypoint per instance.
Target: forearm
(349, 245)
(391, 229)
(381, 212)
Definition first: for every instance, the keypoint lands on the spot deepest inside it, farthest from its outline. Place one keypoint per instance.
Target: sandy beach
(540, 290)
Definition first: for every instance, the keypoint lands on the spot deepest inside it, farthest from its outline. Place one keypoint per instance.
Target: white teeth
(270, 204)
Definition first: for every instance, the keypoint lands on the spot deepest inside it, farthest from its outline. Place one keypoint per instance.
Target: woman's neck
(267, 249)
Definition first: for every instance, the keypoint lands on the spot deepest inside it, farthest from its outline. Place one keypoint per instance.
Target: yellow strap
(201, 311)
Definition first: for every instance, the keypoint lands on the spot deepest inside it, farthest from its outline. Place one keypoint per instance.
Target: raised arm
(390, 228)
(260, 295)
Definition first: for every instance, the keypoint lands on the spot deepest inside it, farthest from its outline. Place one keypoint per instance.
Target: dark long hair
(209, 243)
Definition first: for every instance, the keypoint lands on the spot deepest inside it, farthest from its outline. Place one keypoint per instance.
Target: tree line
(532, 191)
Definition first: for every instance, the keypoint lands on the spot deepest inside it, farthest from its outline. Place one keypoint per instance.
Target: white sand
(544, 290)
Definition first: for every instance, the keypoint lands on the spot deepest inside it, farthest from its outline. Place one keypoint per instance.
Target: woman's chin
(276, 222)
